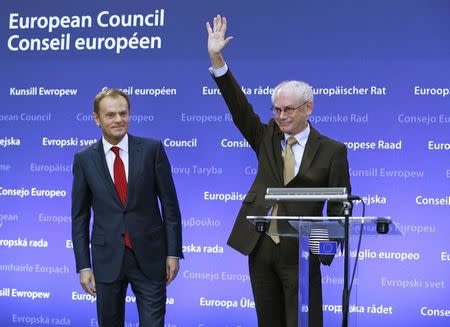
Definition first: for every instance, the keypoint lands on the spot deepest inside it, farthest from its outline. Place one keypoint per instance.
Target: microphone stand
(346, 291)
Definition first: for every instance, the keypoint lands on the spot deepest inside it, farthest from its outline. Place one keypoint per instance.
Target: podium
(341, 231)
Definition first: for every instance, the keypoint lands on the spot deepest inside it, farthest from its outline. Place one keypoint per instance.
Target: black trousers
(274, 278)
(150, 296)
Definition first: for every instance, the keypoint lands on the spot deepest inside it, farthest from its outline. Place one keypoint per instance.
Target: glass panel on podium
(333, 275)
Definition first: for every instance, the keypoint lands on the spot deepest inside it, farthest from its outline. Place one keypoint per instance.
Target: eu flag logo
(327, 247)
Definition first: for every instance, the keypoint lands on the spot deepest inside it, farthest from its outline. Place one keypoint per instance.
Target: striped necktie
(288, 175)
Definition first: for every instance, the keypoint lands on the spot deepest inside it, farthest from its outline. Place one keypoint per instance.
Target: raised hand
(217, 40)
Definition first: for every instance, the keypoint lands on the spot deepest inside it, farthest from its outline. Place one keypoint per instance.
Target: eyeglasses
(288, 110)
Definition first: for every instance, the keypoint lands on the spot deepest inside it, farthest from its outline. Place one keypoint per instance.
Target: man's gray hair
(302, 89)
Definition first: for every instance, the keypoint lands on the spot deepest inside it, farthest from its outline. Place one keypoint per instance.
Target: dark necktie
(120, 183)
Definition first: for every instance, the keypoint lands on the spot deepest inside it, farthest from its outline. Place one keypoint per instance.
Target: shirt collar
(122, 145)
(301, 137)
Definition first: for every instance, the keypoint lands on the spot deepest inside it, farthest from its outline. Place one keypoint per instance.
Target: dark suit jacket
(154, 235)
(324, 164)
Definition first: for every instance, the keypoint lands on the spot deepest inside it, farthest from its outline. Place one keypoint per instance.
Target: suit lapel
(278, 158)
(312, 145)
(272, 145)
(103, 172)
(134, 163)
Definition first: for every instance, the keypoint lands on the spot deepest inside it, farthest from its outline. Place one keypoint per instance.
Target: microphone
(317, 236)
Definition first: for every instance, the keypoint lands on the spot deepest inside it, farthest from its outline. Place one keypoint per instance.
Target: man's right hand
(217, 40)
(87, 281)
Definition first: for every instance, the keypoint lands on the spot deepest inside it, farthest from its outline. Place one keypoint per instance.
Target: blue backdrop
(381, 77)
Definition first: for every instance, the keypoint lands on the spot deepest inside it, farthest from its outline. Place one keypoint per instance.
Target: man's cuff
(84, 269)
(218, 72)
(172, 257)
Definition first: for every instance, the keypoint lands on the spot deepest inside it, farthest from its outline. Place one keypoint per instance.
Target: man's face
(296, 121)
(113, 118)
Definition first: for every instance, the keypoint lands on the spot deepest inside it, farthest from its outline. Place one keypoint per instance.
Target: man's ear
(309, 107)
(96, 118)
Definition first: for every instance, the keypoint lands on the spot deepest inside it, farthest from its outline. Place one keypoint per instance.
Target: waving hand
(217, 40)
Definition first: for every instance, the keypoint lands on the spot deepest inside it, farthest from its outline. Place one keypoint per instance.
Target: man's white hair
(302, 89)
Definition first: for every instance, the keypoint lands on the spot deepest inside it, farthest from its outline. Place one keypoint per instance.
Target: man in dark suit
(291, 153)
(134, 241)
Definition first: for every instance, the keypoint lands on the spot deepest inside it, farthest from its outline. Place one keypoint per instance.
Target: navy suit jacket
(155, 232)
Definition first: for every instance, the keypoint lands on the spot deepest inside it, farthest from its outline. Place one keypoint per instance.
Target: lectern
(338, 231)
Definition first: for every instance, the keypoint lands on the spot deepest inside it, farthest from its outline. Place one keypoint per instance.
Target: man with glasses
(291, 153)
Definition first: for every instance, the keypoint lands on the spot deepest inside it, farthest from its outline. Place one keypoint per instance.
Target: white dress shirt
(110, 156)
(298, 148)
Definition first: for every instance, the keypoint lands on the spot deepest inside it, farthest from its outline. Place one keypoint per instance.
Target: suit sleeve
(81, 215)
(169, 203)
(244, 117)
(338, 177)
